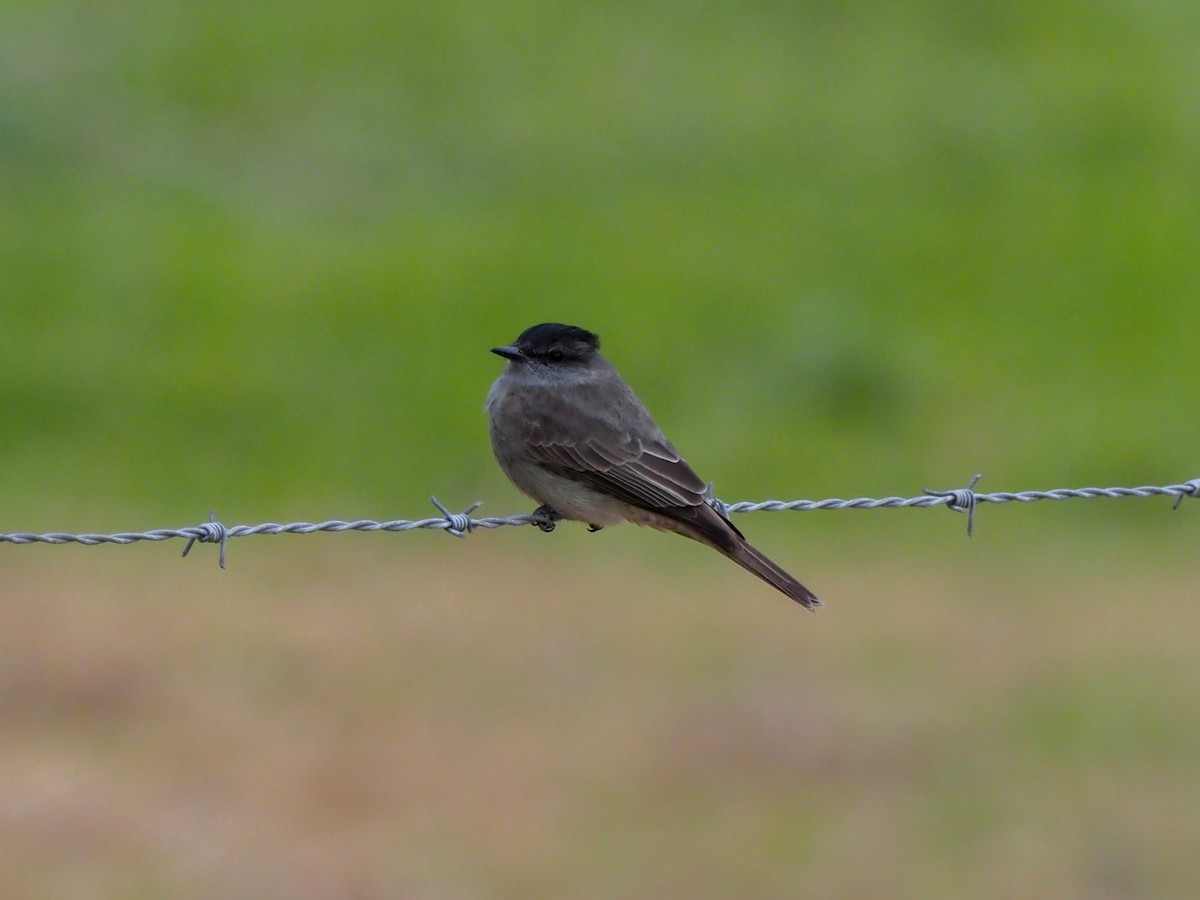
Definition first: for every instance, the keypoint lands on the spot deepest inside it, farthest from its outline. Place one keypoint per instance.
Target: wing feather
(592, 438)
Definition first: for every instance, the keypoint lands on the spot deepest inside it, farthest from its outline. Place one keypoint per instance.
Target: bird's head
(552, 344)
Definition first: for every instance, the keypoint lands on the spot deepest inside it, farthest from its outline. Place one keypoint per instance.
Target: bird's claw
(548, 517)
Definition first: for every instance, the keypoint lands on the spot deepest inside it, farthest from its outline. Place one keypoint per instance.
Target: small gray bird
(570, 433)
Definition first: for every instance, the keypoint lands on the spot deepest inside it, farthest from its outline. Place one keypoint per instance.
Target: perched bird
(570, 433)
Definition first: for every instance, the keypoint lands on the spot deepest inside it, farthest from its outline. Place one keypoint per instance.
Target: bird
(570, 433)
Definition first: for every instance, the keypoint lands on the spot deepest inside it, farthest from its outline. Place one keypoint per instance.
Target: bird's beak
(508, 352)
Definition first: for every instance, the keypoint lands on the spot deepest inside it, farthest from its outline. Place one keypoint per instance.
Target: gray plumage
(570, 433)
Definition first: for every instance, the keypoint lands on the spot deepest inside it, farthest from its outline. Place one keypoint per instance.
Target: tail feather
(752, 560)
(704, 524)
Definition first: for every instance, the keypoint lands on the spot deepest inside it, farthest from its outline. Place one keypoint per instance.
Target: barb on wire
(1192, 490)
(213, 532)
(461, 524)
(961, 500)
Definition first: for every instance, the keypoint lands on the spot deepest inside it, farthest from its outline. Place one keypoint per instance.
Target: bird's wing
(614, 447)
(643, 473)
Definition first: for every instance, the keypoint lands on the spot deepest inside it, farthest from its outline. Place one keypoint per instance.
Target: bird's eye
(555, 356)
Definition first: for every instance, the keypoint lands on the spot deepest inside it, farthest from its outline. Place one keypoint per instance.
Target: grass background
(252, 257)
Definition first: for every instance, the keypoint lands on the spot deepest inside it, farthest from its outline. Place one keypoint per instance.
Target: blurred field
(362, 717)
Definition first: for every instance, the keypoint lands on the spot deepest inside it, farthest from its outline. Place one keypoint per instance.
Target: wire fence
(964, 500)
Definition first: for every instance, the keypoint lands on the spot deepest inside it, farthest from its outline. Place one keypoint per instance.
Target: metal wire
(965, 499)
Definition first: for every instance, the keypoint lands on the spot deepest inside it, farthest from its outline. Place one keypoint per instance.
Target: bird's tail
(752, 560)
(703, 523)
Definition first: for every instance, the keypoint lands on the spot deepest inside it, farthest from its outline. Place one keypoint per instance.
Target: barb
(1188, 489)
(714, 501)
(213, 533)
(961, 500)
(461, 524)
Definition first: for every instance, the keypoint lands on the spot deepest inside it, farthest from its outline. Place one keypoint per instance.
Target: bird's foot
(549, 517)
(594, 528)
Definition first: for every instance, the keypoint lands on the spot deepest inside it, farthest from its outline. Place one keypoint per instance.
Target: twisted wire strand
(965, 499)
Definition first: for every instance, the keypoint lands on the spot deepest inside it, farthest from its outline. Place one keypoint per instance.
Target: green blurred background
(253, 255)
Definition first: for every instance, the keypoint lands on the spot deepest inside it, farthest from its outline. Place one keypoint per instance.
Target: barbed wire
(964, 500)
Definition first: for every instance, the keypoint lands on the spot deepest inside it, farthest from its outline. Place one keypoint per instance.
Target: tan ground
(410, 716)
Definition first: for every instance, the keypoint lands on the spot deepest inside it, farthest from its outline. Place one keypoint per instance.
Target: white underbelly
(570, 499)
